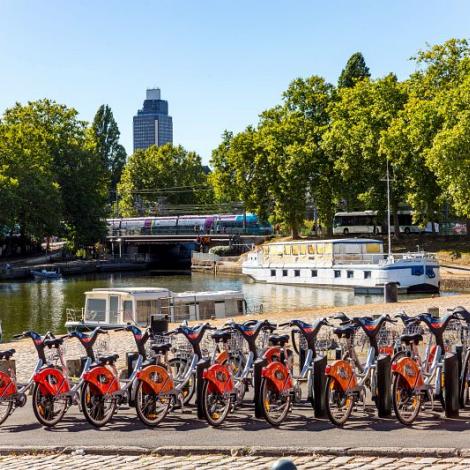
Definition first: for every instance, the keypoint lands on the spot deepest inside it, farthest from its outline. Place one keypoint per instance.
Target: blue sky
(219, 63)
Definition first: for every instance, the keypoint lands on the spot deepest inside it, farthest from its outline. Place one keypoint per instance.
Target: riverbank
(122, 342)
(72, 268)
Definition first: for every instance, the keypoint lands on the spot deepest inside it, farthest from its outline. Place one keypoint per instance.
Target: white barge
(358, 264)
(115, 307)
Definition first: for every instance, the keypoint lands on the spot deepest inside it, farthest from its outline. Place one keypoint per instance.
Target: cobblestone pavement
(187, 462)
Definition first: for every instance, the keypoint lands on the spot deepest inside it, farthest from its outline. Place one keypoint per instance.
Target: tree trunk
(295, 232)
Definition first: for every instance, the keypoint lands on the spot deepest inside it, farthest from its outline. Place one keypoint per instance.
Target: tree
(355, 69)
(60, 181)
(359, 118)
(105, 137)
(167, 174)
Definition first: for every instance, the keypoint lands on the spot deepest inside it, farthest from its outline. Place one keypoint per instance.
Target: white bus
(345, 223)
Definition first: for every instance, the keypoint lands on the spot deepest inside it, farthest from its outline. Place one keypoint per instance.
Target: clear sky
(219, 63)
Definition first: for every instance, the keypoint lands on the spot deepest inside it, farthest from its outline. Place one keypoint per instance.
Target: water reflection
(41, 305)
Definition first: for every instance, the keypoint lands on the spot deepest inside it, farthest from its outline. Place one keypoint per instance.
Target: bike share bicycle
(12, 394)
(280, 388)
(417, 380)
(225, 383)
(348, 379)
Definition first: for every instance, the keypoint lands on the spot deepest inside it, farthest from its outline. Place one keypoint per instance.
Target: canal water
(41, 305)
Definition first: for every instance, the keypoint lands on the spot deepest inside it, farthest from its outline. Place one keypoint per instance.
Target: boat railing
(74, 314)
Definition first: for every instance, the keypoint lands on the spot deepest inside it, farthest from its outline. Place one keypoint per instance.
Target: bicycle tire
(265, 388)
(86, 394)
(332, 387)
(207, 413)
(397, 381)
(40, 415)
(191, 385)
(7, 411)
(140, 412)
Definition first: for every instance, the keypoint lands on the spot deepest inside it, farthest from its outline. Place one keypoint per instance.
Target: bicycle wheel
(274, 405)
(150, 407)
(339, 404)
(5, 409)
(97, 408)
(406, 401)
(48, 409)
(464, 395)
(178, 366)
(215, 406)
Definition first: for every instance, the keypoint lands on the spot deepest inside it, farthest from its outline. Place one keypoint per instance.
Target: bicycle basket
(53, 355)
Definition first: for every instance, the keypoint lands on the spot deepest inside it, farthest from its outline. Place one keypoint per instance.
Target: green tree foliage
(149, 172)
(355, 69)
(105, 136)
(54, 177)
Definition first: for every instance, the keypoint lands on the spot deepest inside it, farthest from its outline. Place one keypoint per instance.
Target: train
(190, 224)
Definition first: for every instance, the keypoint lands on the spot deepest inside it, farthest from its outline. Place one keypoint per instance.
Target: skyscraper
(152, 125)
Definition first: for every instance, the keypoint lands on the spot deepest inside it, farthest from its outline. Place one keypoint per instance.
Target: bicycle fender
(102, 379)
(343, 373)
(222, 357)
(52, 381)
(7, 386)
(157, 378)
(219, 378)
(410, 371)
(278, 374)
(272, 354)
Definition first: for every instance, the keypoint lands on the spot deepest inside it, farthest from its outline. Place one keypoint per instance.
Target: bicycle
(12, 394)
(347, 383)
(225, 383)
(158, 390)
(102, 391)
(280, 388)
(416, 379)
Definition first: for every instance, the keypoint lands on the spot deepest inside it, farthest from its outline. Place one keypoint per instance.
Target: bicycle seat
(111, 359)
(408, 339)
(221, 336)
(462, 313)
(5, 355)
(160, 348)
(53, 342)
(345, 331)
(279, 340)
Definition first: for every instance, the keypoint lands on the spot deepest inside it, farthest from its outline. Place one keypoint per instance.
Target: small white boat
(114, 307)
(45, 274)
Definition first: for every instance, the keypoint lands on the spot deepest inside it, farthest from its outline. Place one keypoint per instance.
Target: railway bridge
(173, 251)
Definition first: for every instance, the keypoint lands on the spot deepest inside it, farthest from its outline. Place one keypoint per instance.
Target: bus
(345, 223)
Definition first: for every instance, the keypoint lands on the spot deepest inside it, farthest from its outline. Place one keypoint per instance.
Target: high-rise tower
(152, 124)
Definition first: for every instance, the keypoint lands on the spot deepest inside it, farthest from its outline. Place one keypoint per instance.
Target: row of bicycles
(338, 365)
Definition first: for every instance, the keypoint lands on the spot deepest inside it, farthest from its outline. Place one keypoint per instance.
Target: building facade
(152, 124)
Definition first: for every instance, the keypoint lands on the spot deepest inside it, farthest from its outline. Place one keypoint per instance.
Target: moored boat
(358, 264)
(45, 274)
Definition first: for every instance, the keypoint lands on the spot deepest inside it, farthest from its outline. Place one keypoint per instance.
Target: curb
(396, 452)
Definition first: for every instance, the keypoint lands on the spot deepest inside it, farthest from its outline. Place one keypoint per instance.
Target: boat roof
(130, 290)
(333, 240)
(217, 294)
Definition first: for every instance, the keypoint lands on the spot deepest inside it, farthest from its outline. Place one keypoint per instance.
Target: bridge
(174, 250)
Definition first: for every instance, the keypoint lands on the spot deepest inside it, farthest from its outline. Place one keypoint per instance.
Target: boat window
(347, 248)
(266, 250)
(127, 311)
(337, 273)
(314, 273)
(350, 274)
(273, 272)
(430, 272)
(114, 309)
(417, 270)
(240, 304)
(320, 248)
(95, 309)
(284, 272)
(287, 249)
(367, 274)
(303, 249)
(206, 310)
(276, 250)
(297, 273)
(145, 308)
(373, 248)
(295, 250)
(311, 249)
(181, 312)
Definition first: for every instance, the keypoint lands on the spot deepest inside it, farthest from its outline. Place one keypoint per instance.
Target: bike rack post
(257, 368)
(202, 365)
(319, 384)
(384, 386)
(451, 385)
